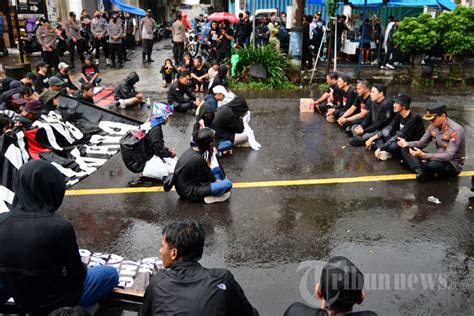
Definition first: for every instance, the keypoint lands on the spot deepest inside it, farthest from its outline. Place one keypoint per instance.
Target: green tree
(456, 30)
(417, 34)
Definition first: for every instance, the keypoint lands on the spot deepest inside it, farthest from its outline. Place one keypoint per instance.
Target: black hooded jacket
(126, 89)
(207, 114)
(177, 91)
(39, 257)
(228, 121)
(220, 78)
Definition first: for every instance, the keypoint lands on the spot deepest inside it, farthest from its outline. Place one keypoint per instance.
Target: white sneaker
(216, 199)
(108, 61)
(375, 62)
(96, 61)
(383, 67)
(390, 66)
(384, 155)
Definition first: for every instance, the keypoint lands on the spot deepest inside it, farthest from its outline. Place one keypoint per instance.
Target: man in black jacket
(63, 74)
(380, 115)
(40, 265)
(407, 124)
(228, 122)
(186, 287)
(125, 93)
(177, 92)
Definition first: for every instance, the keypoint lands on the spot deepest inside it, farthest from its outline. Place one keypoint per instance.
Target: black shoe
(356, 142)
(140, 183)
(150, 60)
(127, 59)
(112, 66)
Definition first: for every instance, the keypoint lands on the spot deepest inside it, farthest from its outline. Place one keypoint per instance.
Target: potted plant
(456, 30)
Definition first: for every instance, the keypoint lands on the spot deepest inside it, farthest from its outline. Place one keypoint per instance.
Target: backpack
(132, 148)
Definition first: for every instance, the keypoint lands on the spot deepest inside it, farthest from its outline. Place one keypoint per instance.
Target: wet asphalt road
(263, 235)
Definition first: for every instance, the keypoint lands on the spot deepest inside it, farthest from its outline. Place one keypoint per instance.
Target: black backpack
(132, 148)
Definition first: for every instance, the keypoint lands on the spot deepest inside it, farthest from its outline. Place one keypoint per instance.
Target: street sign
(31, 7)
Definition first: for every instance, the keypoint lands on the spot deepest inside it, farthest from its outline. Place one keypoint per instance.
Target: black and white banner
(77, 139)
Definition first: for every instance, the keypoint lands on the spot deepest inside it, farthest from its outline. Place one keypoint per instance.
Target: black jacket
(220, 79)
(126, 89)
(379, 116)
(39, 257)
(207, 114)
(155, 144)
(67, 80)
(193, 177)
(41, 83)
(177, 91)
(190, 289)
(227, 121)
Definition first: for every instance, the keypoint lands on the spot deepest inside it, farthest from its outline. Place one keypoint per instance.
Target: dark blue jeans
(99, 282)
(220, 187)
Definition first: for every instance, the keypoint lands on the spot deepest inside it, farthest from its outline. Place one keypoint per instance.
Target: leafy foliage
(268, 56)
(258, 85)
(417, 34)
(456, 30)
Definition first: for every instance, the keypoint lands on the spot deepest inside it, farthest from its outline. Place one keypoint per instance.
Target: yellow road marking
(263, 184)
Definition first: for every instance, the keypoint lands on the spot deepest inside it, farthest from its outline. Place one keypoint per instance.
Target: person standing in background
(148, 27)
(76, 40)
(99, 31)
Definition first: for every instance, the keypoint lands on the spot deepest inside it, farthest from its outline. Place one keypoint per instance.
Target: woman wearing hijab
(198, 175)
(161, 159)
(40, 266)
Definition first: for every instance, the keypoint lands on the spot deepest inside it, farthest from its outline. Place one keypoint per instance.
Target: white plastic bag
(158, 168)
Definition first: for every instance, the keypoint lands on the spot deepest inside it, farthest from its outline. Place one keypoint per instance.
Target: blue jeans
(224, 145)
(221, 187)
(96, 81)
(99, 282)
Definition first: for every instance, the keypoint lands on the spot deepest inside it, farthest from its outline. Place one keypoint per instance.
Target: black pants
(444, 169)
(388, 55)
(80, 46)
(306, 57)
(130, 40)
(223, 54)
(51, 58)
(147, 48)
(116, 50)
(98, 44)
(324, 107)
(182, 107)
(178, 51)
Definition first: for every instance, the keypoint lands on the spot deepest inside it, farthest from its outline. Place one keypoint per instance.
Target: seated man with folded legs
(331, 97)
(198, 175)
(340, 288)
(125, 93)
(177, 94)
(448, 136)
(407, 124)
(40, 265)
(380, 115)
(359, 109)
(348, 96)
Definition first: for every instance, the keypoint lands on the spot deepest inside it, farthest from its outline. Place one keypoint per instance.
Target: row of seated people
(389, 127)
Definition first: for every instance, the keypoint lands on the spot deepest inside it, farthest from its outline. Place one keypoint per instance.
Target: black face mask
(97, 16)
(114, 19)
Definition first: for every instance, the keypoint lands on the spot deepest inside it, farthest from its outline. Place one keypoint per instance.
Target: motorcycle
(30, 42)
(162, 31)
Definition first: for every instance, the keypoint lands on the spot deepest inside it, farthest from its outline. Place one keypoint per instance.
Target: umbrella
(221, 16)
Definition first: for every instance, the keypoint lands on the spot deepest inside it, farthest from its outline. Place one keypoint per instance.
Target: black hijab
(40, 187)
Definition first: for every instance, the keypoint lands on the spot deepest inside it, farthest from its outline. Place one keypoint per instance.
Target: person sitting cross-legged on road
(348, 96)
(331, 97)
(198, 175)
(161, 159)
(185, 287)
(359, 109)
(125, 93)
(380, 115)
(90, 72)
(339, 289)
(40, 265)
(448, 137)
(229, 124)
(177, 92)
(407, 124)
